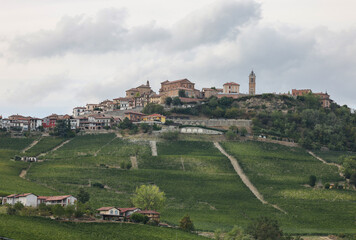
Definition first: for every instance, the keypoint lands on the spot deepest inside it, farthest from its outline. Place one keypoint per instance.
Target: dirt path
(55, 149)
(96, 153)
(153, 148)
(24, 172)
(134, 162)
(323, 161)
(244, 178)
(30, 146)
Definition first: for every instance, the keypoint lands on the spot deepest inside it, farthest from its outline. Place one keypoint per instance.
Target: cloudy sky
(55, 55)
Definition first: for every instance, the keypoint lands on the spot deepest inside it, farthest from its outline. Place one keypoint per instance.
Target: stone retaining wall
(216, 122)
(198, 130)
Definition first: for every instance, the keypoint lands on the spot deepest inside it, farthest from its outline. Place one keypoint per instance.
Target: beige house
(157, 99)
(231, 88)
(208, 92)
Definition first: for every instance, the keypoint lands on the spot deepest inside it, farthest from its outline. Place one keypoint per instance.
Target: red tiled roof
(123, 210)
(132, 89)
(57, 198)
(24, 194)
(181, 80)
(232, 84)
(42, 197)
(155, 115)
(148, 212)
(12, 195)
(79, 108)
(122, 99)
(104, 208)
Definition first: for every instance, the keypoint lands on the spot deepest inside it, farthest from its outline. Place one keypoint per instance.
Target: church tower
(252, 83)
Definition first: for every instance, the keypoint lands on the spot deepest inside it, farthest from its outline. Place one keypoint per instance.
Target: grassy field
(10, 170)
(333, 156)
(280, 173)
(34, 228)
(43, 146)
(196, 178)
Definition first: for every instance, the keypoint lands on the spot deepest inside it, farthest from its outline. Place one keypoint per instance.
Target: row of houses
(124, 214)
(33, 200)
(142, 95)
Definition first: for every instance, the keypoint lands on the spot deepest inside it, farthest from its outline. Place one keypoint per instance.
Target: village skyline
(54, 56)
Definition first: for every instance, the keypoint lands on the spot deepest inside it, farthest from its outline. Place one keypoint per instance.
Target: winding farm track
(96, 153)
(245, 179)
(323, 161)
(153, 148)
(56, 148)
(30, 146)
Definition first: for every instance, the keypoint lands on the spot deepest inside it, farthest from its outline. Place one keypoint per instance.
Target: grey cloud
(107, 32)
(216, 22)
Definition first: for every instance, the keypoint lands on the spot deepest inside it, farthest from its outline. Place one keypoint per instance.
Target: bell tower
(252, 83)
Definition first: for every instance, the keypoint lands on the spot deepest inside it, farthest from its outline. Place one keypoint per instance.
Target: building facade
(252, 84)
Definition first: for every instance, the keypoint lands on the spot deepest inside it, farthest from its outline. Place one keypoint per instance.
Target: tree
(265, 228)
(58, 211)
(181, 93)
(186, 224)
(353, 179)
(237, 233)
(168, 101)
(231, 135)
(18, 206)
(148, 197)
(63, 129)
(153, 108)
(176, 101)
(83, 196)
(69, 211)
(126, 124)
(312, 180)
(243, 131)
(138, 218)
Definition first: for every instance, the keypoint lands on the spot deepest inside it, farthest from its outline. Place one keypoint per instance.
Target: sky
(56, 55)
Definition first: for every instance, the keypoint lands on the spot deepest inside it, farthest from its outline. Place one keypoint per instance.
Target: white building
(53, 200)
(79, 111)
(27, 199)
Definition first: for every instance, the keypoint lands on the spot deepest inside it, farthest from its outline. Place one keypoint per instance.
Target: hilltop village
(179, 93)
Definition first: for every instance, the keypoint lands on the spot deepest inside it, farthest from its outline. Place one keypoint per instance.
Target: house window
(116, 212)
(111, 211)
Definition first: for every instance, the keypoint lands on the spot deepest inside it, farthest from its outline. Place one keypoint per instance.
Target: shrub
(10, 210)
(264, 228)
(156, 127)
(139, 218)
(83, 196)
(327, 185)
(98, 185)
(230, 135)
(58, 211)
(186, 223)
(125, 165)
(19, 206)
(312, 180)
(17, 158)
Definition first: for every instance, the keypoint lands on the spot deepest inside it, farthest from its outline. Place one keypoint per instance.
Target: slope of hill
(196, 178)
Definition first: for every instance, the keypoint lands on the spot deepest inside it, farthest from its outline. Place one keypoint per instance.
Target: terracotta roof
(57, 198)
(79, 108)
(132, 89)
(24, 194)
(12, 195)
(148, 212)
(105, 208)
(42, 197)
(143, 86)
(123, 210)
(181, 80)
(232, 84)
(155, 115)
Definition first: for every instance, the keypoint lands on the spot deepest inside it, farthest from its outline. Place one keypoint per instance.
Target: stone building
(172, 88)
(252, 83)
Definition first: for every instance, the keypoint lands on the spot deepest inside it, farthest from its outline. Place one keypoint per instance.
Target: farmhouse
(53, 200)
(27, 199)
(109, 213)
(134, 116)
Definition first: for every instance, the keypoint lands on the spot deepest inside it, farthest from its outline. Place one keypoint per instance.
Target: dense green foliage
(35, 228)
(63, 129)
(149, 197)
(186, 224)
(152, 108)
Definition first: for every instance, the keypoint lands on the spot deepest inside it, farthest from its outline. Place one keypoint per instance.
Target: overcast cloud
(85, 58)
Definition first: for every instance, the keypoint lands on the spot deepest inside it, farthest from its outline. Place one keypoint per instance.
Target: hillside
(196, 178)
(300, 119)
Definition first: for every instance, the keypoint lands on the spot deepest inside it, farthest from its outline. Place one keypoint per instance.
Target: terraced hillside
(196, 178)
(280, 173)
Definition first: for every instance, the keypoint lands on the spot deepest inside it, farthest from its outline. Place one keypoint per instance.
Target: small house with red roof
(53, 200)
(109, 213)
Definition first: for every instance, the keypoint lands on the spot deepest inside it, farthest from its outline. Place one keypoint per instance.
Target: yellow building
(154, 118)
